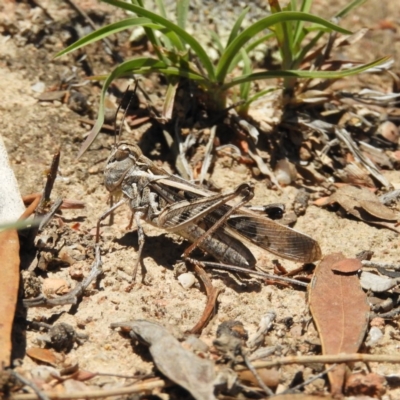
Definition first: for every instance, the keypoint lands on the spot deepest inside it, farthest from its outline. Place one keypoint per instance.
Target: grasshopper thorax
(122, 159)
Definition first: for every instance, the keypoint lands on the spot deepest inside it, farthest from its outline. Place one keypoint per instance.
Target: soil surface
(31, 34)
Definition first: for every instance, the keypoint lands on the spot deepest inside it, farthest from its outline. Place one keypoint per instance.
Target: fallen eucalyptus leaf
(183, 367)
(340, 311)
(364, 205)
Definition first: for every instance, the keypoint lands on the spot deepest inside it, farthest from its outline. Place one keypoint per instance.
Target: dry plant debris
(363, 204)
(359, 146)
(195, 374)
(9, 282)
(340, 310)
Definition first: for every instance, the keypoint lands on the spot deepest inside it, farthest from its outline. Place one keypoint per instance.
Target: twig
(35, 200)
(47, 217)
(374, 264)
(233, 268)
(389, 314)
(263, 386)
(38, 393)
(68, 204)
(308, 381)
(95, 394)
(212, 295)
(345, 137)
(148, 386)
(75, 293)
(324, 359)
(51, 177)
(265, 324)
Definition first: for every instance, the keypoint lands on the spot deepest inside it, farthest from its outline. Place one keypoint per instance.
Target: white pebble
(374, 336)
(187, 280)
(38, 87)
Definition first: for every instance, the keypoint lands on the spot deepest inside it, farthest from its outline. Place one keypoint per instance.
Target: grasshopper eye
(122, 153)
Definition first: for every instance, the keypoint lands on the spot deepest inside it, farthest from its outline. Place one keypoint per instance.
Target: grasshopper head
(123, 157)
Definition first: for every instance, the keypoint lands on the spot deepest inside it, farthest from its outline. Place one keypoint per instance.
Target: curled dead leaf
(347, 265)
(43, 355)
(364, 205)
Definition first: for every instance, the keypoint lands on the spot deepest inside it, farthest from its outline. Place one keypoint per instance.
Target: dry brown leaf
(181, 366)
(362, 204)
(270, 376)
(42, 355)
(9, 282)
(340, 311)
(347, 265)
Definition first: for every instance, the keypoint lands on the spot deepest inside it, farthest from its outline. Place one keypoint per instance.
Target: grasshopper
(217, 223)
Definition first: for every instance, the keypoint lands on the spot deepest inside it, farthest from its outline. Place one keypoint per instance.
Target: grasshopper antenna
(125, 112)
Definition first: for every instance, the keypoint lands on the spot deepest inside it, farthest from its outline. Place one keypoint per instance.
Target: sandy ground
(32, 130)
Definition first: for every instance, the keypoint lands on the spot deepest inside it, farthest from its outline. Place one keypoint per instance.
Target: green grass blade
(236, 27)
(264, 23)
(304, 74)
(350, 7)
(247, 70)
(259, 95)
(259, 41)
(128, 68)
(168, 106)
(23, 224)
(305, 7)
(106, 31)
(119, 71)
(284, 32)
(160, 5)
(167, 43)
(298, 59)
(153, 39)
(186, 37)
(182, 9)
(248, 48)
(216, 40)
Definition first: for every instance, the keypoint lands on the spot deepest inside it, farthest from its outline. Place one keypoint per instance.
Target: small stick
(155, 384)
(234, 268)
(67, 204)
(47, 217)
(100, 393)
(308, 381)
(374, 264)
(389, 314)
(75, 293)
(40, 394)
(324, 359)
(51, 177)
(32, 206)
(263, 386)
(212, 295)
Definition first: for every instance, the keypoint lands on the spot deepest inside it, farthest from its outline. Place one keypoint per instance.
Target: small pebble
(374, 336)
(38, 87)
(187, 280)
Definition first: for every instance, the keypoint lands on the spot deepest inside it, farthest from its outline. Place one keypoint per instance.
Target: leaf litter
(340, 310)
(281, 329)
